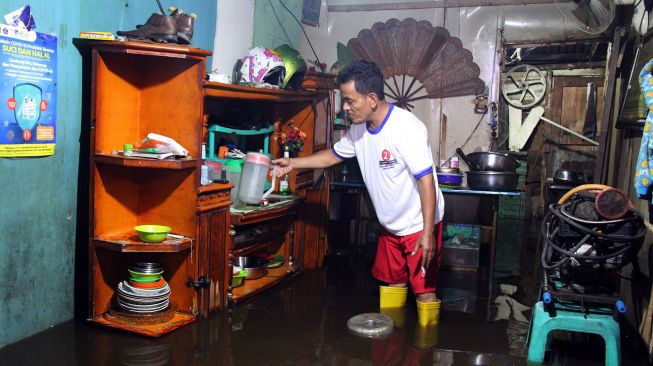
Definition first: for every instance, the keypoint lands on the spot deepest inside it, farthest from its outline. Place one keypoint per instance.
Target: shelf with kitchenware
(268, 234)
(119, 300)
(128, 241)
(252, 214)
(135, 162)
(137, 89)
(272, 277)
(233, 91)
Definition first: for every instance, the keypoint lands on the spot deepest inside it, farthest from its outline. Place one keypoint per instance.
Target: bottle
(204, 169)
(128, 150)
(284, 184)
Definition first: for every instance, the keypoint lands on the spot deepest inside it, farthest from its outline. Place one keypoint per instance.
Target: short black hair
(367, 77)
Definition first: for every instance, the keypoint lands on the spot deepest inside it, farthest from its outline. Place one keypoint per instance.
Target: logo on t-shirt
(386, 161)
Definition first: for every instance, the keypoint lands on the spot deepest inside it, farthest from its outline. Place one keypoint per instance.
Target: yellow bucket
(392, 297)
(428, 313)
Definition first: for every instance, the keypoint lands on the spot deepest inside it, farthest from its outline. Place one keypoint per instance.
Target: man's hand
(427, 242)
(282, 166)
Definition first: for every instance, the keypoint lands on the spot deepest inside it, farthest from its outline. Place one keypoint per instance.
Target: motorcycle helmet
(295, 67)
(262, 65)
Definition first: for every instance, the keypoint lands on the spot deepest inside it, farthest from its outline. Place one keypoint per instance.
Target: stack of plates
(145, 291)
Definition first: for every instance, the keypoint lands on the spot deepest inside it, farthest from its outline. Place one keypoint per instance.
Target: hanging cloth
(644, 169)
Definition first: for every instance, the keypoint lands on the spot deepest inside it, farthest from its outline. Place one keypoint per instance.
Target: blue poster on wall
(28, 92)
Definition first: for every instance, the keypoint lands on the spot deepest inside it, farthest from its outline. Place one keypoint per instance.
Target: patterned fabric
(644, 171)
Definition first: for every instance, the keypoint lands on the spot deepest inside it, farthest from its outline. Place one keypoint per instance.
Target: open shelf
(144, 163)
(260, 244)
(220, 90)
(264, 213)
(128, 241)
(151, 330)
(251, 287)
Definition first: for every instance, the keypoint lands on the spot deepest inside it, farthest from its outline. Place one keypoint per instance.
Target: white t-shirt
(391, 159)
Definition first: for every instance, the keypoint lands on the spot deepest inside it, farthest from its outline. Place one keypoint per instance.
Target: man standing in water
(392, 149)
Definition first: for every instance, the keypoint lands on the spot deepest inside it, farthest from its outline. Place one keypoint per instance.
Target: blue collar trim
(374, 132)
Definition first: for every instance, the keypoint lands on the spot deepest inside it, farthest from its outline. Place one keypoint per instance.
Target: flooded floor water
(304, 322)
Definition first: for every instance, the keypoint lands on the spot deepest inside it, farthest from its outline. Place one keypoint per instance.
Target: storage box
(461, 236)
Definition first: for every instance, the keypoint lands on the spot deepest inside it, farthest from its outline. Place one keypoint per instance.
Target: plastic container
(152, 233)
(235, 167)
(128, 150)
(253, 179)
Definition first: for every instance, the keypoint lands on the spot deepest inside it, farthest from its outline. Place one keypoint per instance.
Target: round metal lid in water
(372, 325)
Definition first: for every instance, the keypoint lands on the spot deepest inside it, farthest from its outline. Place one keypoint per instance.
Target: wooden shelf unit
(311, 110)
(136, 89)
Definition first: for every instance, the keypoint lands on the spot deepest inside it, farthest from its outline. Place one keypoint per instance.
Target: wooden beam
(435, 4)
(615, 55)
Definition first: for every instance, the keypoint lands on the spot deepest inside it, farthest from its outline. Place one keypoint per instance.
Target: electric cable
(305, 35)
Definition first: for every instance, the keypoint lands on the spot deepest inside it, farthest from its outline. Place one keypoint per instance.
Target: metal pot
(493, 162)
(492, 181)
(472, 165)
(254, 266)
(564, 176)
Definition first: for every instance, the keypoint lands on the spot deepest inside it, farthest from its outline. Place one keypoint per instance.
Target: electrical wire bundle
(584, 252)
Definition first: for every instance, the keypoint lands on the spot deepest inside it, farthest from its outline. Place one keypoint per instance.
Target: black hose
(619, 252)
(594, 232)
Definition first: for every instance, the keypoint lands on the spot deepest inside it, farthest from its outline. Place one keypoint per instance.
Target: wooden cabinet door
(211, 260)
(213, 220)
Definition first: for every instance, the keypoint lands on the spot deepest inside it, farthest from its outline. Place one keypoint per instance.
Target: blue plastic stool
(601, 324)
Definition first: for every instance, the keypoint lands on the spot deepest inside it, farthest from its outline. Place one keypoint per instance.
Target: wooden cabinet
(138, 88)
(290, 228)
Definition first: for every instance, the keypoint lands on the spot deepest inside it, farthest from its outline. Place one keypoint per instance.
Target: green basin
(144, 277)
(152, 233)
(238, 278)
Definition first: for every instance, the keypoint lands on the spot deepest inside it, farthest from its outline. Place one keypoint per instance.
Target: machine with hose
(589, 236)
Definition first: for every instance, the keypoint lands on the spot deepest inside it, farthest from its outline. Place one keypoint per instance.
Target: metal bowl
(450, 179)
(254, 266)
(492, 181)
(494, 162)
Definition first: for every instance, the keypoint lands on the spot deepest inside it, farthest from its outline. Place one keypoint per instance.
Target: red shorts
(394, 264)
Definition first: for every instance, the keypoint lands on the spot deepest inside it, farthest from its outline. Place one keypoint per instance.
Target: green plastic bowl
(152, 233)
(238, 278)
(144, 277)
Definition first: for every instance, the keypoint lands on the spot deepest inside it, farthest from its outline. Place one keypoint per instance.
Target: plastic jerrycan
(252, 181)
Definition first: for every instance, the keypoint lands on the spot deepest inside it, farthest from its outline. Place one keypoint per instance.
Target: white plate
(128, 289)
(142, 301)
(144, 309)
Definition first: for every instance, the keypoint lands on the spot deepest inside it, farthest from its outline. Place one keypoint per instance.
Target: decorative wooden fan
(418, 51)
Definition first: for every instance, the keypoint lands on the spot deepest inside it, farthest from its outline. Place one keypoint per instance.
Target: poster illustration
(28, 92)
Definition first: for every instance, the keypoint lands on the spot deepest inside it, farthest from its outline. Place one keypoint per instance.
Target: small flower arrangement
(294, 139)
